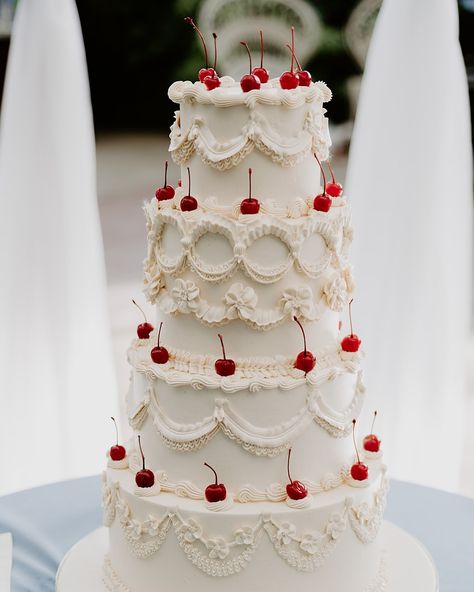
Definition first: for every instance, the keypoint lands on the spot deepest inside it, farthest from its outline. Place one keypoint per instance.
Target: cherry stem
(189, 182)
(213, 470)
(141, 451)
(190, 21)
(215, 50)
(166, 173)
(354, 440)
(302, 331)
(373, 421)
(322, 171)
(332, 174)
(288, 466)
(261, 49)
(222, 345)
(159, 334)
(350, 315)
(140, 309)
(116, 428)
(292, 49)
(294, 55)
(249, 54)
(250, 184)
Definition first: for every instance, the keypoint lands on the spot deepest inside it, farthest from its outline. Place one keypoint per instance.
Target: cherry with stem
(289, 79)
(359, 471)
(334, 188)
(351, 343)
(250, 205)
(203, 72)
(117, 452)
(260, 72)
(144, 329)
(224, 366)
(145, 477)
(159, 354)
(216, 492)
(167, 191)
(304, 77)
(371, 442)
(188, 202)
(295, 489)
(249, 81)
(213, 81)
(322, 202)
(305, 360)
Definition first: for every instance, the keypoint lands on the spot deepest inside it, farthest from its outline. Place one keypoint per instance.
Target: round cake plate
(410, 567)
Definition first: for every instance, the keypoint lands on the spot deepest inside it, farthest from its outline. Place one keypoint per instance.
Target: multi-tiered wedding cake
(257, 269)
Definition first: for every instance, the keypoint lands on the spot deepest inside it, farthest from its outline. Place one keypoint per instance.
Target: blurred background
(134, 51)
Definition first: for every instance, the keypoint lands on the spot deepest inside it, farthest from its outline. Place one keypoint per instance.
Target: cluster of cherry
(257, 76)
(250, 204)
(216, 492)
(224, 366)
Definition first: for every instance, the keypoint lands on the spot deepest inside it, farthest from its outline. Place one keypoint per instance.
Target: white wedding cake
(264, 271)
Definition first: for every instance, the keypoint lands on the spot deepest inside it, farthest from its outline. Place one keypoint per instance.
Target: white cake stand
(410, 567)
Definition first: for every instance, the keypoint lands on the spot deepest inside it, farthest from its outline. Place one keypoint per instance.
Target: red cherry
(304, 77)
(180, 184)
(359, 471)
(144, 329)
(250, 205)
(117, 452)
(294, 489)
(165, 192)
(211, 82)
(322, 202)
(334, 188)
(371, 443)
(249, 81)
(261, 73)
(289, 80)
(159, 354)
(203, 72)
(144, 477)
(216, 492)
(224, 366)
(351, 343)
(305, 360)
(188, 202)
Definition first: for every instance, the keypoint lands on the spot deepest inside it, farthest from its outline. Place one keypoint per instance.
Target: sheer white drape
(410, 182)
(56, 378)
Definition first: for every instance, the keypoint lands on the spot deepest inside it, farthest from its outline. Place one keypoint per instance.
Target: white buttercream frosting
(299, 504)
(230, 94)
(220, 506)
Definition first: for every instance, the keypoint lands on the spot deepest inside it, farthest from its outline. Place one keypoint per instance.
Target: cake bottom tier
(163, 541)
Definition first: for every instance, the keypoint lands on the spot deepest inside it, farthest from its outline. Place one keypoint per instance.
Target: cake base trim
(303, 550)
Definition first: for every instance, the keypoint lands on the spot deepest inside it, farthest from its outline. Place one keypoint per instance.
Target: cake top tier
(230, 94)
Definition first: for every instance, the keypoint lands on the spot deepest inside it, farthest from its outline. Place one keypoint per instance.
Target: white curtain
(56, 376)
(410, 184)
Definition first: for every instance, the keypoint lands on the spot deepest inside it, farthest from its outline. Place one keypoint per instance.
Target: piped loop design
(221, 556)
(256, 133)
(241, 236)
(267, 441)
